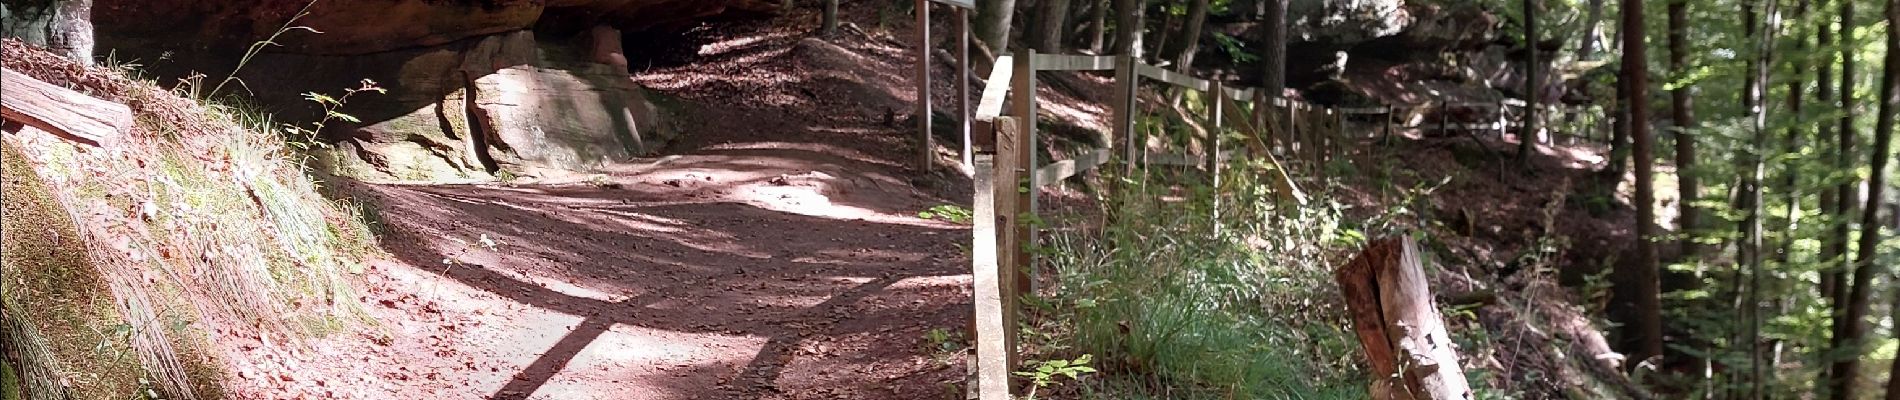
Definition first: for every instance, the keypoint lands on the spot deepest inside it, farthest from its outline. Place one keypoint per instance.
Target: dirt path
(733, 273)
(775, 254)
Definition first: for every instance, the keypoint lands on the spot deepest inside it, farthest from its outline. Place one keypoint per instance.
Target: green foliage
(1170, 308)
(306, 137)
(1044, 373)
(948, 212)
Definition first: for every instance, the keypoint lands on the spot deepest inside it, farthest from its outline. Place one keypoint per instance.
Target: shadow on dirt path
(772, 280)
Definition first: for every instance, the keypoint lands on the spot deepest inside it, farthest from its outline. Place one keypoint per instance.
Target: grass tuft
(1176, 303)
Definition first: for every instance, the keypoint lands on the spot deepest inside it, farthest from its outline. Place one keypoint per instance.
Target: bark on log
(1391, 305)
(63, 112)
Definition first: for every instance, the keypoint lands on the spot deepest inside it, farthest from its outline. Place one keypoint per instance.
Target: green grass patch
(1188, 291)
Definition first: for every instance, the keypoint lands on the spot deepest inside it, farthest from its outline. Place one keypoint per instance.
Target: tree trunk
(1850, 311)
(1128, 29)
(1167, 28)
(1832, 279)
(1533, 88)
(1051, 19)
(1682, 112)
(992, 23)
(1592, 31)
(1646, 324)
(1183, 53)
(63, 27)
(1880, 155)
(828, 25)
(1098, 25)
(1619, 129)
(1392, 310)
(1273, 58)
(1749, 251)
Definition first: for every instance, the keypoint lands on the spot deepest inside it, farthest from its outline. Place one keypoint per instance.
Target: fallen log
(1392, 313)
(63, 112)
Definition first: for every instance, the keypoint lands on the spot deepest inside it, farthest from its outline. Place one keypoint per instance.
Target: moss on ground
(53, 288)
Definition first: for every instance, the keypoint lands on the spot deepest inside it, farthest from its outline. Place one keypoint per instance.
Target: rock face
(1392, 52)
(61, 26)
(371, 26)
(476, 89)
(506, 102)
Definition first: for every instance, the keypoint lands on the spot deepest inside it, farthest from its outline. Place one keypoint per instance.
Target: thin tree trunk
(1533, 88)
(1592, 31)
(1759, 34)
(1849, 311)
(1098, 25)
(992, 23)
(1646, 326)
(1620, 130)
(1128, 29)
(1790, 146)
(1273, 58)
(829, 22)
(1052, 19)
(1190, 42)
(1168, 23)
(1682, 112)
(1831, 278)
(1880, 155)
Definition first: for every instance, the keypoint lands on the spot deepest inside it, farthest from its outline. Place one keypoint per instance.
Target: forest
(955, 199)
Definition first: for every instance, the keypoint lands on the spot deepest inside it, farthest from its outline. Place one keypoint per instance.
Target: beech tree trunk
(1098, 26)
(1640, 276)
(1190, 42)
(992, 23)
(1592, 31)
(1879, 157)
(1533, 88)
(1850, 311)
(1832, 279)
(1682, 112)
(1273, 58)
(1749, 251)
(1392, 311)
(1052, 18)
(1167, 28)
(828, 25)
(1128, 29)
(63, 27)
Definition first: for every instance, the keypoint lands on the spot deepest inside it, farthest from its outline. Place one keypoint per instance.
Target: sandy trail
(762, 272)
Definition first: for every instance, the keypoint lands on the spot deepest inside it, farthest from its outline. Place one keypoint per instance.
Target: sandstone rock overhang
(363, 27)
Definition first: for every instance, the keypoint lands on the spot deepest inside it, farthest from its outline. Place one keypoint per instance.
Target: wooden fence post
(928, 141)
(1393, 314)
(1218, 112)
(1124, 108)
(963, 83)
(1009, 210)
(1024, 88)
(993, 332)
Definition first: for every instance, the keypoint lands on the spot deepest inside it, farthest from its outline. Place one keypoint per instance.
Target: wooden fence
(1008, 178)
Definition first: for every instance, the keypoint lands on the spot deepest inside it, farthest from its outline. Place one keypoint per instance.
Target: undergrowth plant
(1174, 303)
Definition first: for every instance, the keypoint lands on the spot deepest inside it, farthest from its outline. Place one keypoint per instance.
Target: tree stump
(1393, 314)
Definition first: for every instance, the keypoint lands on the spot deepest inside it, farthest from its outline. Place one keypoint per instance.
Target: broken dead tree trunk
(63, 112)
(1394, 316)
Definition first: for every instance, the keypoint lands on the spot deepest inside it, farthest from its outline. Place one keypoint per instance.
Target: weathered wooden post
(963, 82)
(1024, 88)
(1009, 209)
(995, 343)
(928, 141)
(1391, 306)
(1124, 109)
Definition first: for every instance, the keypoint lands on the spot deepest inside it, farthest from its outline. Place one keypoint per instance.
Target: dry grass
(202, 219)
